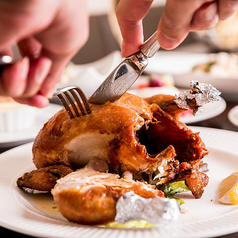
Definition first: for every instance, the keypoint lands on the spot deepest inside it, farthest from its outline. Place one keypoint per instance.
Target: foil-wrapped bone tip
(154, 210)
(199, 95)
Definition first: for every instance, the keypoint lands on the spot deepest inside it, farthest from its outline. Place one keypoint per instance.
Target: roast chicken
(132, 134)
(142, 137)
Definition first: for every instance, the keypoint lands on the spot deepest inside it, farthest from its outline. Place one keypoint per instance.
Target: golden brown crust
(49, 146)
(166, 103)
(92, 207)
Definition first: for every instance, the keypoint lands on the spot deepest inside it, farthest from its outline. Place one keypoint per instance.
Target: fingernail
(38, 101)
(41, 101)
(25, 66)
(167, 42)
(22, 71)
(43, 70)
(210, 11)
(50, 95)
(128, 49)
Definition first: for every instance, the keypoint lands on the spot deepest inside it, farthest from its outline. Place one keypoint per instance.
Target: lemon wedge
(228, 190)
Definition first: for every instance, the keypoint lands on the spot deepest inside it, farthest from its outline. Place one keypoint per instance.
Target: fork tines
(74, 101)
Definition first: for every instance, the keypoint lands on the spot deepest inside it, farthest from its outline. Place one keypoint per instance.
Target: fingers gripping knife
(125, 74)
(121, 78)
(114, 86)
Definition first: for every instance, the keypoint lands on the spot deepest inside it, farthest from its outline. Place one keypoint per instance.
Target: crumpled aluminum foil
(202, 93)
(131, 207)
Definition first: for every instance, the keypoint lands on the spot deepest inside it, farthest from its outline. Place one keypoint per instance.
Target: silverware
(5, 60)
(74, 101)
(125, 74)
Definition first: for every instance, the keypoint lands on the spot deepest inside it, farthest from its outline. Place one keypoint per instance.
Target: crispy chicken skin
(93, 195)
(166, 103)
(43, 179)
(130, 135)
(90, 136)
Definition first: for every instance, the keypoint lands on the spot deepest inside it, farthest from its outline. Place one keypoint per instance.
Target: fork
(74, 101)
(69, 96)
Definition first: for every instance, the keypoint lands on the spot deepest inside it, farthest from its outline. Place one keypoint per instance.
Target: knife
(125, 74)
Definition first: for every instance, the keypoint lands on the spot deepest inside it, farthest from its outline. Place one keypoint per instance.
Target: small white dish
(233, 115)
(10, 139)
(209, 111)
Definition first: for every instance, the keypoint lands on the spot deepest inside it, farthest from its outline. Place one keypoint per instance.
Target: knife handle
(150, 46)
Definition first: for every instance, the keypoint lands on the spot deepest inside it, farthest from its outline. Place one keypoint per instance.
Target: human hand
(179, 17)
(48, 34)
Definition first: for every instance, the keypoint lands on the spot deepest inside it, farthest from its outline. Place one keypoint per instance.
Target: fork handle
(5, 60)
(150, 46)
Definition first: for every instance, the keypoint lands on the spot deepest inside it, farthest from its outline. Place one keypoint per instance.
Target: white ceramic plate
(233, 115)
(209, 110)
(204, 217)
(43, 115)
(180, 65)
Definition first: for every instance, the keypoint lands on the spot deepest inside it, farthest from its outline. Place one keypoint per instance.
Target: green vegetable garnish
(173, 188)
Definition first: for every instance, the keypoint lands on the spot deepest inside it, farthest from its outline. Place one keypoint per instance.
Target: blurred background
(104, 32)
(105, 36)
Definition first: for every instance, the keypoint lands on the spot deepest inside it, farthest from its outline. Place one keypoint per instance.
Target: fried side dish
(43, 179)
(132, 134)
(93, 195)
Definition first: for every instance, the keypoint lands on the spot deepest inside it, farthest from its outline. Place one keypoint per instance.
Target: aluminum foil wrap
(131, 207)
(200, 94)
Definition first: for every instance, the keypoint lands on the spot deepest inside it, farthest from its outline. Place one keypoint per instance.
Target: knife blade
(125, 74)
